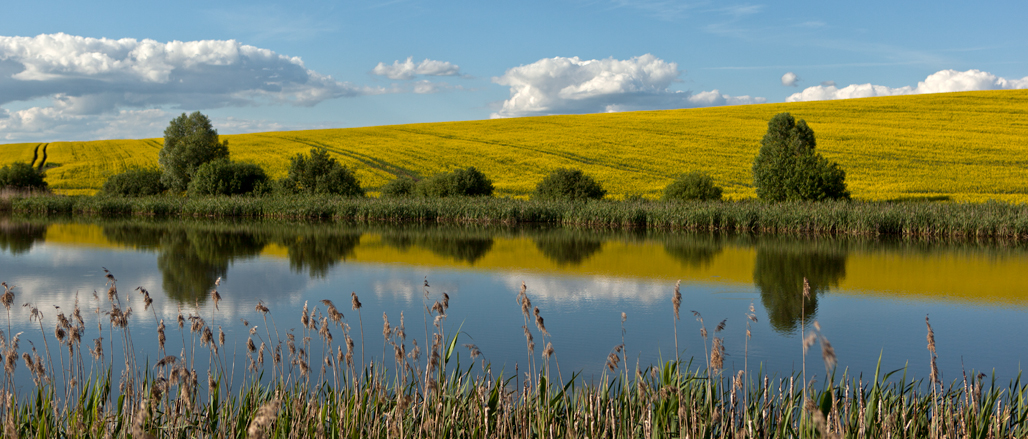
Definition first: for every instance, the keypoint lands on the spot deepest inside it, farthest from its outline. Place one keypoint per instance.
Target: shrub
(21, 175)
(189, 141)
(135, 182)
(224, 177)
(568, 184)
(695, 185)
(788, 169)
(402, 186)
(319, 173)
(468, 182)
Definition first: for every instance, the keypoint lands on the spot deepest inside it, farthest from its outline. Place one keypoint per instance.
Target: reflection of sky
(582, 312)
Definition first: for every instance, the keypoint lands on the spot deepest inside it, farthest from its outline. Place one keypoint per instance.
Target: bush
(319, 173)
(224, 177)
(468, 182)
(189, 141)
(135, 182)
(400, 187)
(568, 184)
(695, 185)
(788, 169)
(21, 175)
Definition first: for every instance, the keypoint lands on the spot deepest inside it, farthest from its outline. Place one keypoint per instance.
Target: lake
(869, 296)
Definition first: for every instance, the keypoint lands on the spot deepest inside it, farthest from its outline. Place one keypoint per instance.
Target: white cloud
(50, 123)
(103, 82)
(939, 82)
(407, 70)
(790, 79)
(570, 85)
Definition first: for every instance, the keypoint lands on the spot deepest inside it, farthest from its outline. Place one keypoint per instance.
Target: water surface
(869, 296)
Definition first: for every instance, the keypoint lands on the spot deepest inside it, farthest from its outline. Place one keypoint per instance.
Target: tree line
(195, 161)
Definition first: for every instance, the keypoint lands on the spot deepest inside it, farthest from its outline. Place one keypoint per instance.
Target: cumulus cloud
(570, 85)
(407, 70)
(790, 79)
(94, 81)
(939, 82)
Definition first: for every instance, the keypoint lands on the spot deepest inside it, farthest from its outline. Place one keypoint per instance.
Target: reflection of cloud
(402, 289)
(595, 288)
(79, 274)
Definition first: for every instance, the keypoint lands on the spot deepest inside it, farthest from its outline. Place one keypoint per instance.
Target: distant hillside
(969, 146)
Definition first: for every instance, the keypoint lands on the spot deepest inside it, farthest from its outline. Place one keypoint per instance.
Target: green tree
(469, 182)
(319, 173)
(788, 169)
(224, 177)
(22, 176)
(400, 187)
(134, 182)
(568, 184)
(189, 141)
(695, 185)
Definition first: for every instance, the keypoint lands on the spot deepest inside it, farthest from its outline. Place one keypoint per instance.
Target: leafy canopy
(400, 187)
(319, 173)
(134, 182)
(189, 141)
(224, 177)
(21, 175)
(695, 185)
(568, 184)
(469, 182)
(788, 169)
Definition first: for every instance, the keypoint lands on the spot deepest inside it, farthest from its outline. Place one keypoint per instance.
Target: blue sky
(86, 70)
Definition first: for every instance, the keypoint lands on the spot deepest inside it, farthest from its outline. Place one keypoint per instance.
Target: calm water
(869, 296)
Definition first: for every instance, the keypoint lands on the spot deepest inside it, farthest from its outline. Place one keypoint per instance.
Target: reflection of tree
(694, 250)
(566, 247)
(135, 236)
(19, 238)
(319, 252)
(191, 260)
(779, 272)
(459, 244)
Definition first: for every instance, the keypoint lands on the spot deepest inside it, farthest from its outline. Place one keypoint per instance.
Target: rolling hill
(970, 146)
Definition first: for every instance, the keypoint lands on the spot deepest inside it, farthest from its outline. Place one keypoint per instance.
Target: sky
(72, 70)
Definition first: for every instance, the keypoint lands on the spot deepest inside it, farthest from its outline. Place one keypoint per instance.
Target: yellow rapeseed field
(970, 146)
(951, 275)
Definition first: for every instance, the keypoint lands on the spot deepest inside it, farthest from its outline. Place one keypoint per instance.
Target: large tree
(788, 169)
(189, 141)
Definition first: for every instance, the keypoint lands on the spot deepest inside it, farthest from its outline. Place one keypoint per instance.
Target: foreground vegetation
(959, 146)
(926, 219)
(317, 383)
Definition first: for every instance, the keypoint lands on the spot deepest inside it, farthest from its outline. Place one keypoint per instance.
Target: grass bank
(922, 219)
(318, 382)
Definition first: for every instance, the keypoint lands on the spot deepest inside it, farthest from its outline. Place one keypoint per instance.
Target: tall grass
(315, 383)
(926, 219)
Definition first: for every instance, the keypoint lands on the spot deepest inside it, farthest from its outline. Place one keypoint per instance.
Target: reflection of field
(964, 146)
(646, 260)
(975, 278)
(948, 275)
(958, 274)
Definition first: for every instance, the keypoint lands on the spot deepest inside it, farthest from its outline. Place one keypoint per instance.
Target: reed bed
(923, 219)
(324, 381)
